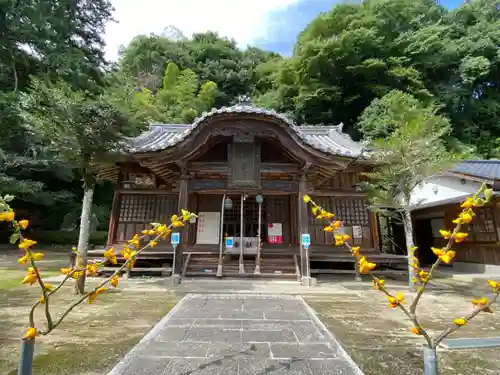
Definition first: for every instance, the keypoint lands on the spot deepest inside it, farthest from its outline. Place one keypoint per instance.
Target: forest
(361, 64)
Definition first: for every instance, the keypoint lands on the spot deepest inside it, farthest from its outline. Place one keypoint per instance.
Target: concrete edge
(122, 366)
(330, 335)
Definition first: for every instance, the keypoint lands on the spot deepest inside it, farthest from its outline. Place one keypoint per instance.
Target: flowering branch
(444, 255)
(129, 252)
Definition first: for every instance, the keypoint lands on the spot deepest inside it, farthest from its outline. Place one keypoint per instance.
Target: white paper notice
(207, 232)
(357, 231)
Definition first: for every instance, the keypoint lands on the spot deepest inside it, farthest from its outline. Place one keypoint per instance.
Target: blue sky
(269, 24)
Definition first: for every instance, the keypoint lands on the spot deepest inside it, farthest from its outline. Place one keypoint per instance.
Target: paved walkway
(209, 334)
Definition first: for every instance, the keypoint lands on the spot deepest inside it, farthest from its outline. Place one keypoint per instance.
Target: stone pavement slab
(231, 334)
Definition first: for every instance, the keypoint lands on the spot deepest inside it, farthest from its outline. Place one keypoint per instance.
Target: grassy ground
(378, 339)
(91, 340)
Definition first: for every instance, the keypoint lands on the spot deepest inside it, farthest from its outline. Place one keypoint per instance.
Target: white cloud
(244, 21)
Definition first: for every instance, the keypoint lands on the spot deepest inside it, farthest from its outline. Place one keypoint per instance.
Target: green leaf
(8, 198)
(15, 237)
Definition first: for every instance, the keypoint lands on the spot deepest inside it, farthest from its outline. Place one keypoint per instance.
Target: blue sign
(175, 238)
(229, 242)
(306, 240)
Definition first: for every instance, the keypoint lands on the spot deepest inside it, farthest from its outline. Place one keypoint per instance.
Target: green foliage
(412, 150)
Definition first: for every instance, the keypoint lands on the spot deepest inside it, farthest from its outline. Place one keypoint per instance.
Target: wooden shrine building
(229, 166)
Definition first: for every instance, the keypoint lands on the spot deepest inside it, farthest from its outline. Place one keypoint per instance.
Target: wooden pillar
(183, 204)
(375, 231)
(303, 221)
(113, 220)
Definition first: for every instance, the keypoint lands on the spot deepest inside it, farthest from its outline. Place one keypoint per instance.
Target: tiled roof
(328, 139)
(487, 169)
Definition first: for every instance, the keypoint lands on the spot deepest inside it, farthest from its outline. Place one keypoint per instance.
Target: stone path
(209, 334)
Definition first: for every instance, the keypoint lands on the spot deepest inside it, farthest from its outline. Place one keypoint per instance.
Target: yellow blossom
(445, 233)
(30, 277)
(186, 215)
(481, 303)
(415, 330)
(153, 243)
(177, 224)
(336, 224)
(463, 218)
(23, 224)
(48, 287)
(42, 300)
(437, 252)
(460, 236)
(307, 198)
(92, 269)
(24, 259)
(134, 241)
(94, 294)
(37, 256)
(7, 216)
(365, 266)
(469, 203)
(114, 281)
(448, 256)
(495, 285)
(394, 301)
(328, 229)
(110, 255)
(459, 321)
(26, 244)
(341, 239)
(315, 210)
(378, 284)
(355, 250)
(31, 333)
(424, 276)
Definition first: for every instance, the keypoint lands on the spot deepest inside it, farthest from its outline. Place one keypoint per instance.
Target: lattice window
(482, 229)
(146, 208)
(350, 211)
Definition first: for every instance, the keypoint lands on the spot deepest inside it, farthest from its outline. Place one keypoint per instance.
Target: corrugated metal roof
(487, 169)
(328, 139)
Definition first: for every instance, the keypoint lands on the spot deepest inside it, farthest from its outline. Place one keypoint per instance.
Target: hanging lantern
(259, 199)
(228, 204)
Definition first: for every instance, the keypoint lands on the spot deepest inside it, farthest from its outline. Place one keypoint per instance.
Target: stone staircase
(201, 265)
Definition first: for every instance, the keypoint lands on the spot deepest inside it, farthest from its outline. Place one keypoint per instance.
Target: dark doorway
(424, 241)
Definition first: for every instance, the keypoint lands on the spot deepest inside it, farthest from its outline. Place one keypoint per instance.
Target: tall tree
(83, 129)
(410, 152)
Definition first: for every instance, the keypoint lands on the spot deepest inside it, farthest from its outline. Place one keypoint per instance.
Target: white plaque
(207, 231)
(357, 231)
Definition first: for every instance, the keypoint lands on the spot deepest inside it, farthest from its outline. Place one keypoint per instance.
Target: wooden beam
(303, 217)
(113, 221)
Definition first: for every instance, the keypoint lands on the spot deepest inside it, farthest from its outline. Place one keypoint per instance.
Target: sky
(269, 24)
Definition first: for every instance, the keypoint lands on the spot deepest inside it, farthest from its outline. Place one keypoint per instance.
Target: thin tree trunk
(408, 227)
(83, 239)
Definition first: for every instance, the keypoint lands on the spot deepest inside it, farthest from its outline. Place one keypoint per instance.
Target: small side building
(436, 204)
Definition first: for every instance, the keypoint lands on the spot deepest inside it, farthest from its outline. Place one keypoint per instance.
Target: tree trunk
(408, 227)
(83, 239)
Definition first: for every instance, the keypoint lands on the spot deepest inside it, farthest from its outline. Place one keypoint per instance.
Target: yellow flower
(26, 244)
(110, 255)
(31, 277)
(336, 224)
(66, 271)
(415, 330)
(448, 256)
(134, 241)
(469, 203)
(48, 287)
(177, 224)
(459, 321)
(445, 233)
(31, 333)
(378, 284)
(481, 303)
(174, 218)
(114, 281)
(186, 215)
(328, 229)
(7, 216)
(94, 294)
(355, 250)
(315, 210)
(153, 243)
(394, 301)
(92, 269)
(460, 237)
(463, 218)
(341, 239)
(306, 198)
(42, 300)
(23, 224)
(437, 252)
(24, 259)
(495, 285)
(424, 276)
(365, 266)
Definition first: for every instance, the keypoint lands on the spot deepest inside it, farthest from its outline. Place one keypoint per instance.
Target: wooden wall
(482, 246)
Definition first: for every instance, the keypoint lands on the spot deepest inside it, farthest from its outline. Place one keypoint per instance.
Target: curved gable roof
(328, 139)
